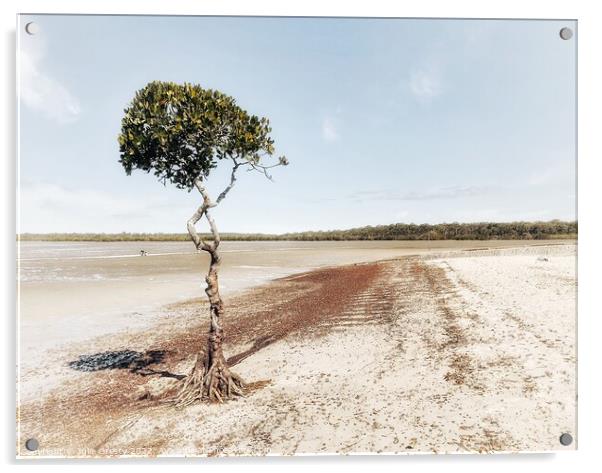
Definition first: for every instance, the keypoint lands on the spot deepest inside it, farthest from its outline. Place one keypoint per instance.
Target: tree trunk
(210, 379)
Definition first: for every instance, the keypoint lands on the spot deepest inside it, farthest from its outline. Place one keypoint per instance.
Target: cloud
(425, 84)
(329, 129)
(452, 192)
(46, 207)
(38, 90)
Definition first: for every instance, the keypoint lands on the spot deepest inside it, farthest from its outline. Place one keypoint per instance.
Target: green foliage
(552, 230)
(180, 133)
(448, 231)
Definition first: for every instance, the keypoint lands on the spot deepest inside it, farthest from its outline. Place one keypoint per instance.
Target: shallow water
(75, 279)
(74, 291)
(54, 262)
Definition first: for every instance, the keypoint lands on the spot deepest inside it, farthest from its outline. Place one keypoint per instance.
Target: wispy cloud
(48, 207)
(425, 83)
(452, 192)
(329, 129)
(38, 90)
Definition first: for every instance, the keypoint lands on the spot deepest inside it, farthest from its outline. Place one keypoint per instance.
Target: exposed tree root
(215, 383)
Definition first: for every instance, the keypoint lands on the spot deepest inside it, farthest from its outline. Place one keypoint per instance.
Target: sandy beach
(391, 350)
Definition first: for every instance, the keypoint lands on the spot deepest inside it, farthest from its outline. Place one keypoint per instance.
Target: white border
(590, 153)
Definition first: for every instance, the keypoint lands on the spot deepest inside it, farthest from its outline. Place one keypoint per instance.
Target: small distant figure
(143, 253)
(542, 258)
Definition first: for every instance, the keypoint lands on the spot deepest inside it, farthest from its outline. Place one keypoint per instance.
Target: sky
(383, 120)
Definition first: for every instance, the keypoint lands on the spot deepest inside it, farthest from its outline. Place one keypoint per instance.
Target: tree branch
(232, 182)
(262, 169)
(200, 212)
(203, 210)
(216, 237)
(199, 243)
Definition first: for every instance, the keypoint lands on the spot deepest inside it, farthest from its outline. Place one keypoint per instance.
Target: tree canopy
(181, 131)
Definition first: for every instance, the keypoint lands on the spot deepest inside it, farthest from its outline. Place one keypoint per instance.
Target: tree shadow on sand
(135, 361)
(258, 344)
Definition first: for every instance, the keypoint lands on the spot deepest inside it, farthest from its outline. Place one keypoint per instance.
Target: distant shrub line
(554, 229)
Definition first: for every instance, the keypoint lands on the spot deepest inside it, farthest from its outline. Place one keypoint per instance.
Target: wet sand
(74, 291)
(449, 353)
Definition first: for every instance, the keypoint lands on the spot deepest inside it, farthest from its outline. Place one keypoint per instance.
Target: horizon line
(555, 220)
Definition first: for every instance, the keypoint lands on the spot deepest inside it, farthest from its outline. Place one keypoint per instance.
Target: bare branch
(206, 199)
(203, 210)
(232, 181)
(263, 169)
(200, 212)
(199, 243)
(216, 237)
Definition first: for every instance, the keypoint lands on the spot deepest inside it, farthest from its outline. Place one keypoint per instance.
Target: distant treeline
(554, 229)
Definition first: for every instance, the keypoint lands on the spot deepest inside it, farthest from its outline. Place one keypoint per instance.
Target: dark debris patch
(122, 359)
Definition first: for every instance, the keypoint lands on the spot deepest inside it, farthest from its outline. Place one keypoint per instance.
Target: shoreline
(82, 297)
(391, 314)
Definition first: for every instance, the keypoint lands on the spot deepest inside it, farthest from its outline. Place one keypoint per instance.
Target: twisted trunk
(210, 379)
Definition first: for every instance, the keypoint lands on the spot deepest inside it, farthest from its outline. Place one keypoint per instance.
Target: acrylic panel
(291, 236)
